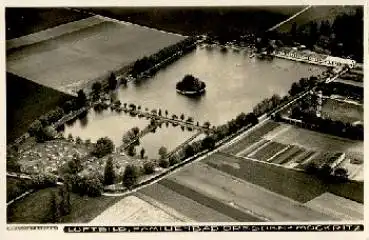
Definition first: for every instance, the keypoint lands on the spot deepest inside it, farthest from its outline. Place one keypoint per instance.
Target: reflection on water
(169, 137)
(234, 83)
(105, 123)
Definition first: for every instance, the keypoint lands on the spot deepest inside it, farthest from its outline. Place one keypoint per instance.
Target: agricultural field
(342, 111)
(293, 147)
(24, 21)
(89, 53)
(317, 13)
(224, 188)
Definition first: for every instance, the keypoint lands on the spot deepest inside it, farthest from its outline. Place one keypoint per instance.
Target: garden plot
(77, 57)
(268, 151)
(319, 142)
(48, 157)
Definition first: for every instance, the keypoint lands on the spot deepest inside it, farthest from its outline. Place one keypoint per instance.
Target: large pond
(235, 83)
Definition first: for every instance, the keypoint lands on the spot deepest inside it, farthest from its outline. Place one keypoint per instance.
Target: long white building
(313, 58)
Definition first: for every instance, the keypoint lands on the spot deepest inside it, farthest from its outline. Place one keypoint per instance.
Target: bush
(164, 163)
(12, 164)
(103, 147)
(109, 173)
(173, 160)
(208, 143)
(162, 152)
(43, 181)
(91, 186)
(130, 176)
(149, 167)
(35, 128)
(341, 174)
(311, 168)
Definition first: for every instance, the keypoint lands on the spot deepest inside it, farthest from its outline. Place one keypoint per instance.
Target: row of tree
(329, 126)
(342, 89)
(327, 173)
(342, 37)
(146, 63)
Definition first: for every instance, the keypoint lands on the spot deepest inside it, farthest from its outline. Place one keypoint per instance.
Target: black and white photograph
(196, 114)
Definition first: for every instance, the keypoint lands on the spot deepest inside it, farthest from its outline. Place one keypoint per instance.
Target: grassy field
(283, 181)
(90, 53)
(25, 102)
(342, 111)
(286, 182)
(24, 21)
(35, 208)
(184, 204)
(15, 187)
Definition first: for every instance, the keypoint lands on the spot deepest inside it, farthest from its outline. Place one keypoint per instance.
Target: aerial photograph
(134, 115)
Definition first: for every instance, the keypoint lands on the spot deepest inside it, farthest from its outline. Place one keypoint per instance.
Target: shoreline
(191, 93)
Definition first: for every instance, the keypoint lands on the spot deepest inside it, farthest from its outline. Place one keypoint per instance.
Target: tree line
(341, 37)
(146, 63)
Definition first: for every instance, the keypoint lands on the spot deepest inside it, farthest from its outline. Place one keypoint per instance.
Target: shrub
(149, 167)
(173, 159)
(43, 181)
(130, 176)
(164, 163)
(103, 147)
(109, 173)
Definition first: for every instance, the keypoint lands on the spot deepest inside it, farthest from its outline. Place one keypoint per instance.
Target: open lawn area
(87, 54)
(15, 187)
(35, 208)
(25, 102)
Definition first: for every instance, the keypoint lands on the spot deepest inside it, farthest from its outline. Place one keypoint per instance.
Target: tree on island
(109, 174)
(190, 83)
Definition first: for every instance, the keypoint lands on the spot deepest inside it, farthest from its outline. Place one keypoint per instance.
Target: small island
(190, 86)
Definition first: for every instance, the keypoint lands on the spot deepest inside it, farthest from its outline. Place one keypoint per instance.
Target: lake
(234, 84)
